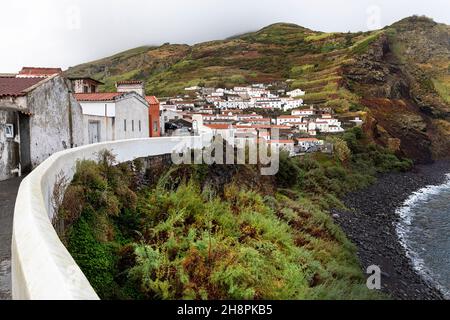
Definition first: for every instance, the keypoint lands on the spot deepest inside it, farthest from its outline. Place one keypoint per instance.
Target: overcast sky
(68, 32)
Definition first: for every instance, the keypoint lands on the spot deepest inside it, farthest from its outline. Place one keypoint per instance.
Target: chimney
(131, 86)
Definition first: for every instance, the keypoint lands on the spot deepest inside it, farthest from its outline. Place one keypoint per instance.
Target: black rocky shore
(370, 225)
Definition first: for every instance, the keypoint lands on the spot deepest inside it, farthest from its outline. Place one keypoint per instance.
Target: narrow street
(8, 192)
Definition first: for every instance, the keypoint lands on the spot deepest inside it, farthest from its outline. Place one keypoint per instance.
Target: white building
(234, 104)
(296, 93)
(303, 112)
(289, 120)
(267, 103)
(113, 116)
(289, 103)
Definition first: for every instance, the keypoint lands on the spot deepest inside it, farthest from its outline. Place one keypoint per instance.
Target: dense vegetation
(189, 236)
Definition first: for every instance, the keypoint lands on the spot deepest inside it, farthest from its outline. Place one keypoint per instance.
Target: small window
(85, 89)
(125, 125)
(9, 130)
(132, 125)
(155, 126)
(140, 129)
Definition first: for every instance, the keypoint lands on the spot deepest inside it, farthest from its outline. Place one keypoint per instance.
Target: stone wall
(56, 120)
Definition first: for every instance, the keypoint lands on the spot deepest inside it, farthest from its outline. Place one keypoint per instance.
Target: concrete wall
(131, 108)
(42, 268)
(107, 127)
(54, 113)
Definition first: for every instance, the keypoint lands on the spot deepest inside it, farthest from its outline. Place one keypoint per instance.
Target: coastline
(370, 223)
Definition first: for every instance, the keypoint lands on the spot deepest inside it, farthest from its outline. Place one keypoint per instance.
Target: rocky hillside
(398, 78)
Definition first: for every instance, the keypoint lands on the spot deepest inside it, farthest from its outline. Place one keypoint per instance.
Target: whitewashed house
(303, 112)
(296, 93)
(289, 120)
(289, 103)
(113, 116)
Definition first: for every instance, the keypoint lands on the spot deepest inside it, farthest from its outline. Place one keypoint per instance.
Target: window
(132, 125)
(9, 130)
(140, 126)
(85, 89)
(155, 126)
(125, 125)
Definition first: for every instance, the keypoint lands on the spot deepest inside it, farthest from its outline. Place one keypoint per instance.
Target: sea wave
(406, 213)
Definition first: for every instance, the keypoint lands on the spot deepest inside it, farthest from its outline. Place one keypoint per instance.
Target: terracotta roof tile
(32, 71)
(100, 96)
(152, 100)
(217, 126)
(10, 86)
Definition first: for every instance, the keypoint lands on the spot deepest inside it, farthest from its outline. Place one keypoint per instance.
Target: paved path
(8, 192)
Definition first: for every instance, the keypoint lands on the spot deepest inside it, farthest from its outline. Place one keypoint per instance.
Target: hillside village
(42, 112)
(251, 113)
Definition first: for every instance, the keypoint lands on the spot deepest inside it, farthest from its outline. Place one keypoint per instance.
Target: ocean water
(424, 231)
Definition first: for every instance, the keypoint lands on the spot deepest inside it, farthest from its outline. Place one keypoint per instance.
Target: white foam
(403, 228)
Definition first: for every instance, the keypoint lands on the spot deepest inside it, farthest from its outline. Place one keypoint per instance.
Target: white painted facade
(296, 93)
(289, 119)
(124, 118)
(303, 112)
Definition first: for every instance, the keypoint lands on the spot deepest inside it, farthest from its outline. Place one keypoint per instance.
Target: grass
(361, 46)
(442, 86)
(315, 83)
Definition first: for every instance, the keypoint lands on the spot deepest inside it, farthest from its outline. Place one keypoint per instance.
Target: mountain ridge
(397, 78)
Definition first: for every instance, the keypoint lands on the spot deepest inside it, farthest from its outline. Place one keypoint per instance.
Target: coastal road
(8, 192)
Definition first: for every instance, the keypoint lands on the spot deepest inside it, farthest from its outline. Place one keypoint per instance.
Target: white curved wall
(42, 268)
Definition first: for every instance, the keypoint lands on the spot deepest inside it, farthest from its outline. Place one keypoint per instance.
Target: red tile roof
(280, 141)
(152, 100)
(100, 96)
(217, 126)
(10, 86)
(289, 117)
(32, 71)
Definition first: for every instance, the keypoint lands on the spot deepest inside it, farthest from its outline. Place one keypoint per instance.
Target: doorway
(94, 131)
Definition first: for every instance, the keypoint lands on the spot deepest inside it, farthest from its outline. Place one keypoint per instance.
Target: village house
(295, 93)
(291, 120)
(38, 117)
(303, 112)
(289, 103)
(84, 85)
(125, 114)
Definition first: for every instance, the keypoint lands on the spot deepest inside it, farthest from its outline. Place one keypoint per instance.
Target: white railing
(42, 268)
